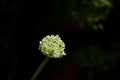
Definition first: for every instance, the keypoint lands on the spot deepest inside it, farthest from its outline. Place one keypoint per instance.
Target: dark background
(91, 54)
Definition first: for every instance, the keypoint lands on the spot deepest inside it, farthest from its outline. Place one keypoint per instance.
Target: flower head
(52, 46)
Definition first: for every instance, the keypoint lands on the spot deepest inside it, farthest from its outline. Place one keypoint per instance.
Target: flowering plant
(51, 46)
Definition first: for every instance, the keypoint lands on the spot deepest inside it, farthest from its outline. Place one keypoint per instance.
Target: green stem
(40, 68)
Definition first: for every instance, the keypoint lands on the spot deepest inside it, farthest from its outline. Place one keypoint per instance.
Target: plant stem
(40, 68)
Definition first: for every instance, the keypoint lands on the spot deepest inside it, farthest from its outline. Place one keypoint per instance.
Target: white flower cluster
(52, 46)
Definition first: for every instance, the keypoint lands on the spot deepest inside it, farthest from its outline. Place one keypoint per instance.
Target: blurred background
(89, 28)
